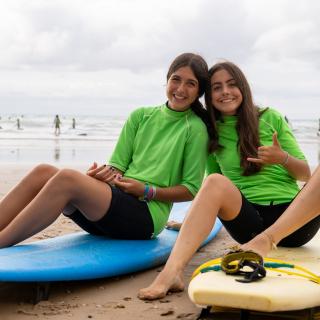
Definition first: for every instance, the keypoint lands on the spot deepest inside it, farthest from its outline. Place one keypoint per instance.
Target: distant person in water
(18, 124)
(73, 123)
(56, 123)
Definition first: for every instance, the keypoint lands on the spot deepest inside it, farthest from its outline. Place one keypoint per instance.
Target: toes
(145, 295)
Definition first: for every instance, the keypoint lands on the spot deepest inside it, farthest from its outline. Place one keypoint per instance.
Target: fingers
(275, 139)
(94, 165)
(103, 173)
(94, 169)
(173, 225)
(256, 160)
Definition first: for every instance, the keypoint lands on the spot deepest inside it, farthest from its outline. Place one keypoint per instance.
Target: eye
(215, 88)
(192, 84)
(175, 78)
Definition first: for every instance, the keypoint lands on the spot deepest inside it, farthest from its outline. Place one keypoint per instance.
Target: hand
(270, 154)
(128, 185)
(173, 225)
(104, 173)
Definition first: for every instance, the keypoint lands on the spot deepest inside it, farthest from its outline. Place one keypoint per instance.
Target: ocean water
(94, 138)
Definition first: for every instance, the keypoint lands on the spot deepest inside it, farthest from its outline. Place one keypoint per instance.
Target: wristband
(149, 193)
(286, 159)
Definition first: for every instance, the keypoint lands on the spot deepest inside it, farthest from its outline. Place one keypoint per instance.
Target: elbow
(306, 175)
(190, 196)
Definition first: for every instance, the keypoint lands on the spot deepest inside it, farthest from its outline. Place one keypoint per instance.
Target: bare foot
(161, 286)
(260, 244)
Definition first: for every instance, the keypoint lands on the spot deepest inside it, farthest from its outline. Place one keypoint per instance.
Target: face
(182, 89)
(226, 96)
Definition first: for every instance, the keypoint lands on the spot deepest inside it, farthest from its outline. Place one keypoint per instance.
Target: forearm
(173, 194)
(298, 169)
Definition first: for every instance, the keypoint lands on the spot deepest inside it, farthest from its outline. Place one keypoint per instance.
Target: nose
(225, 90)
(181, 87)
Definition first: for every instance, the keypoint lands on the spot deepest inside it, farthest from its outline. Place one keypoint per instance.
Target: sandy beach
(113, 298)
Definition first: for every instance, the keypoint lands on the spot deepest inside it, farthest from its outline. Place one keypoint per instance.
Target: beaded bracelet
(149, 193)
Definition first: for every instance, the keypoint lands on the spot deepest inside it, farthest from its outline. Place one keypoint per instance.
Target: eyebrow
(219, 82)
(190, 80)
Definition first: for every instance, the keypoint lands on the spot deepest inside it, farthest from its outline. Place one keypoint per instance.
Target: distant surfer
(18, 124)
(73, 123)
(318, 133)
(57, 124)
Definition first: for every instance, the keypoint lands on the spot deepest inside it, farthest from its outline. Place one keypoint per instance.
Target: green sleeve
(122, 154)
(212, 164)
(287, 140)
(196, 152)
(285, 136)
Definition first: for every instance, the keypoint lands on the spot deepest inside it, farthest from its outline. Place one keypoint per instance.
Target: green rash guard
(163, 148)
(273, 182)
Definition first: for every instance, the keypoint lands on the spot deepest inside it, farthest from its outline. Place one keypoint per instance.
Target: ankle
(271, 241)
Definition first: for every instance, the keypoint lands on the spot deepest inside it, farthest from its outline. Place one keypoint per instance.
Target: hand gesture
(104, 173)
(128, 185)
(270, 154)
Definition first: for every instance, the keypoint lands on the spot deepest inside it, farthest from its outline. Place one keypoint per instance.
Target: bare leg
(217, 196)
(304, 208)
(67, 186)
(20, 196)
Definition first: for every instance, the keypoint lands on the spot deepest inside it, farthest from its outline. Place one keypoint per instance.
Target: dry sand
(113, 298)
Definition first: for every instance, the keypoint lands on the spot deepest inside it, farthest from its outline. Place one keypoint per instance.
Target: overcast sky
(111, 56)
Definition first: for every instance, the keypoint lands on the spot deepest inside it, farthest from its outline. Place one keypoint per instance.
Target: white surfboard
(275, 292)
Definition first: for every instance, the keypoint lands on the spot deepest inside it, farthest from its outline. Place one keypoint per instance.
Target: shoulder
(271, 116)
(142, 112)
(270, 113)
(195, 122)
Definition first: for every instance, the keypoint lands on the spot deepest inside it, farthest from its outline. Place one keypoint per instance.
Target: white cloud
(116, 52)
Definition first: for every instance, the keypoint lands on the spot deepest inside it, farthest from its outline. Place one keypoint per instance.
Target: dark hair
(200, 69)
(247, 118)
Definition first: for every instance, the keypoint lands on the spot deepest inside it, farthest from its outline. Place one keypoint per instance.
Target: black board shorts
(126, 218)
(254, 218)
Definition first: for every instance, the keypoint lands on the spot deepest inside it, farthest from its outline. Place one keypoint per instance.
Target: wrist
(286, 159)
(149, 193)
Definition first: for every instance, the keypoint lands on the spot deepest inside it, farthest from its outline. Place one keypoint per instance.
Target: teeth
(178, 97)
(227, 100)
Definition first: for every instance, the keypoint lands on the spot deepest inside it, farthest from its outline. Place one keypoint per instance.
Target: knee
(216, 181)
(44, 171)
(217, 184)
(66, 176)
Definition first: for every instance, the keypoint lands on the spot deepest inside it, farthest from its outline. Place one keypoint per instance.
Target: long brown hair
(200, 69)
(247, 125)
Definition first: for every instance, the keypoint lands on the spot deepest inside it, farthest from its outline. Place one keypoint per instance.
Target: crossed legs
(40, 197)
(217, 196)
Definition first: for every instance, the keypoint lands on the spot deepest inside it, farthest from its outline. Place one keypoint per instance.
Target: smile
(178, 97)
(226, 100)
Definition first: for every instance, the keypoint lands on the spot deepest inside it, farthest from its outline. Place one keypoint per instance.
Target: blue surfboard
(80, 256)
